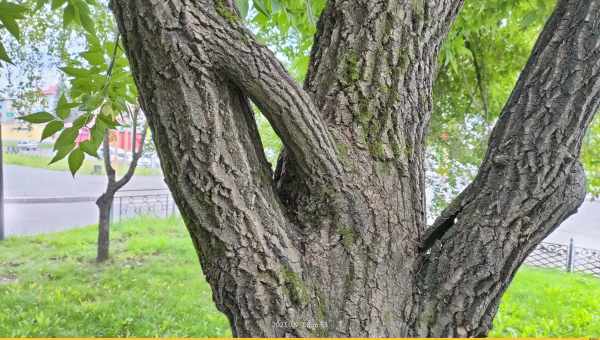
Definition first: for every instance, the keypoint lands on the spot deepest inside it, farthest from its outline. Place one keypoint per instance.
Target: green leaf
(81, 121)
(68, 15)
(107, 110)
(3, 54)
(39, 4)
(90, 147)
(13, 10)
(242, 5)
(84, 17)
(106, 121)
(94, 58)
(66, 138)
(10, 24)
(261, 7)
(38, 117)
(275, 6)
(52, 128)
(94, 44)
(57, 3)
(75, 72)
(97, 132)
(92, 102)
(76, 160)
(63, 108)
(61, 153)
(87, 23)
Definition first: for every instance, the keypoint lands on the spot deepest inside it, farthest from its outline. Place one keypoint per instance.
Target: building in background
(7, 113)
(17, 130)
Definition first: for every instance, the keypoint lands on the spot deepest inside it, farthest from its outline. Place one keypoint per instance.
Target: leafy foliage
(479, 65)
(101, 87)
(10, 13)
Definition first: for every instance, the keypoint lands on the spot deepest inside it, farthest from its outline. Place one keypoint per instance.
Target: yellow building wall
(16, 132)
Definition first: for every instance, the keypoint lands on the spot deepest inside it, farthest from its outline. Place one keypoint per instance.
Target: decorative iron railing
(157, 203)
(567, 257)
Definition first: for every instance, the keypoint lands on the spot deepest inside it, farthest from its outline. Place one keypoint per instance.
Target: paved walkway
(583, 227)
(21, 219)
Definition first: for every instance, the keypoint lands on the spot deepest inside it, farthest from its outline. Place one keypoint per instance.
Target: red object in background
(118, 139)
(84, 134)
(123, 139)
(50, 90)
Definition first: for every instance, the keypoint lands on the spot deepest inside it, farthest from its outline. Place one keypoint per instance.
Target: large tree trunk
(335, 242)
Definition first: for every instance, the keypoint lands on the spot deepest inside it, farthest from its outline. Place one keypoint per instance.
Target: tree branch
(479, 74)
(136, 153)
(110, 171)
(219, 33)
(529, 182)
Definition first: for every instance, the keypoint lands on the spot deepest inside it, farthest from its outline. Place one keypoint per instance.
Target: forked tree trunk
(335, 242)
(105, 201)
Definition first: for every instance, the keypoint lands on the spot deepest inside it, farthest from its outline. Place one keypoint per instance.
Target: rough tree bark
(337, 235)
(105, 201)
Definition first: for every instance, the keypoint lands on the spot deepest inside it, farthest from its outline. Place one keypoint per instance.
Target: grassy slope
(34, 161)
(50, 286)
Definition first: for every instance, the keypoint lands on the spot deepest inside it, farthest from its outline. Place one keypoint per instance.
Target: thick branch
(530, 180)
(373, 64)
(371, 76)
(217, 31)
(206, 136)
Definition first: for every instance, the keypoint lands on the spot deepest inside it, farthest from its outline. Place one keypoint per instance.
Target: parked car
(27, 146)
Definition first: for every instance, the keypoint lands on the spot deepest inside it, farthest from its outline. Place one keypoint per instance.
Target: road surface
(28, 219)
(583, 227)
(21, 219)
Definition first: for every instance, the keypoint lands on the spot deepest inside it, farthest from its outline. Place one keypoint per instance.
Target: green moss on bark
(348, 236)
(226, 12)
(352, 69)
(295, 287)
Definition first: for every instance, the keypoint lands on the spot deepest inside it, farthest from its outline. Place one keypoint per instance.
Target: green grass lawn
(35, 161)
(153, 286)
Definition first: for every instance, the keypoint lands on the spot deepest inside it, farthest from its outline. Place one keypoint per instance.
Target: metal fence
(127, 203)
(131, 203)
(567, 257)
(37, 215)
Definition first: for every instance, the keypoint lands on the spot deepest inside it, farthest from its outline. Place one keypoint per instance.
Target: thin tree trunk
(104, 204)
(335, 242)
